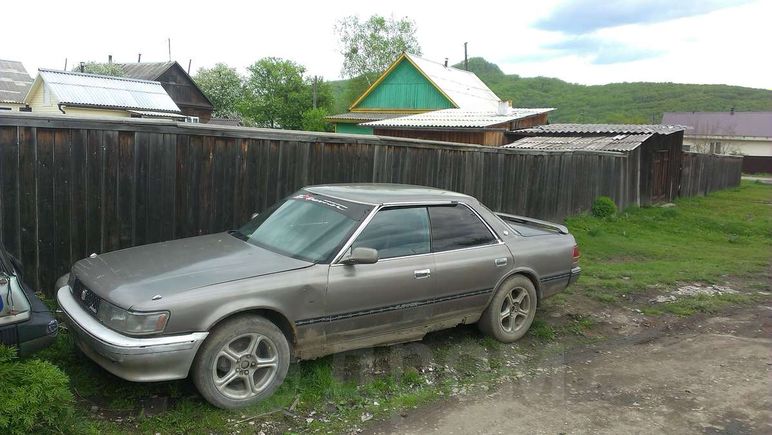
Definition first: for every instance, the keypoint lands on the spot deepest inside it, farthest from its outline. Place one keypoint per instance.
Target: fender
(520, 270)
(237, 307)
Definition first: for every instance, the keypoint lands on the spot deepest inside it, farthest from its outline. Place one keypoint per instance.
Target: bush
(35, 396)
(604, 207)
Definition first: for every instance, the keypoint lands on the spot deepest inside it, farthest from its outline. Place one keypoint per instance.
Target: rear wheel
(243, 361)
(511, 311)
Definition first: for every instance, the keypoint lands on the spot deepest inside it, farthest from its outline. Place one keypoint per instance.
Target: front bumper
(151, 359)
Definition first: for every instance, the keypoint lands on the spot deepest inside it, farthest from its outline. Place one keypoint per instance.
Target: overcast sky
(581, 41)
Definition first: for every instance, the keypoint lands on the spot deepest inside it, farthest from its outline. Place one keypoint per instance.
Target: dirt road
(697, 375)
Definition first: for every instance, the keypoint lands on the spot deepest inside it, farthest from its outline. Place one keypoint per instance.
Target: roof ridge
(441, 64)
(102, 76)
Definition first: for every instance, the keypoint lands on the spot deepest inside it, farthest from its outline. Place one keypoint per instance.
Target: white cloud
(725, 46)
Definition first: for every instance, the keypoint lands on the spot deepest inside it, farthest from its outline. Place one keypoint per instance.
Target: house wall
(748, 146)
(11, 107)
(404, 88)
(492, 138)
(185, 94)
(351, 128)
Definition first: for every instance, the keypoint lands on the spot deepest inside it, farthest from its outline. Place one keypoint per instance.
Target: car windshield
(306, 226)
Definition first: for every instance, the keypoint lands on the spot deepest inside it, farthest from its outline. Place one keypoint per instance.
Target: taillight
(576, 254)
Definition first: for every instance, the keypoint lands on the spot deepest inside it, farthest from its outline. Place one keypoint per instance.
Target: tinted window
(397, 232)
(455, 227)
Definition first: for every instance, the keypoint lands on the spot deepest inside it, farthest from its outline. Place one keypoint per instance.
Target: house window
(715, 147)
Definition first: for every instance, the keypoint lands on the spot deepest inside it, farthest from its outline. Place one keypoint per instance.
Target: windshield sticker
(328, 203)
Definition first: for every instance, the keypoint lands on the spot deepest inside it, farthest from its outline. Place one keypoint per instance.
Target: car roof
(385, 193)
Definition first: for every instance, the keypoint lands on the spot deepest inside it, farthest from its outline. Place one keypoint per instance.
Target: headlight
(129, 322)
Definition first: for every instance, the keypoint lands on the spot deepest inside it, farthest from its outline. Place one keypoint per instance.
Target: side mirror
(361, 256)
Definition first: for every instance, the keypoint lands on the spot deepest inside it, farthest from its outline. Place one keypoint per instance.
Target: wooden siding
(493, 138)
(70, 186)
(705, 173)
(351, 128)
(185, 93)
(405, 88)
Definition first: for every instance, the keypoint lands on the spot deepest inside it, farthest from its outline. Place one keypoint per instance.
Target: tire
(511, 311)
(241, 349)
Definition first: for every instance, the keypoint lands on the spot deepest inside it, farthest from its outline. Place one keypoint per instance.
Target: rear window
(457, 227)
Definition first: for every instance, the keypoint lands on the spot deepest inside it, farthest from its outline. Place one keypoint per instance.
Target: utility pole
(189, 62)
(466, 58)
(170, 49)
(314, 88)
(65, 64)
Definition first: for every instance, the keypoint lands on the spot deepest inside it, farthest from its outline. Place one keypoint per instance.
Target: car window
(397, 232)
(455, 227)
(306, 226)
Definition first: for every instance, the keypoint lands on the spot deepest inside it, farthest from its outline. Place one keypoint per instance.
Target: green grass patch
(701, 239)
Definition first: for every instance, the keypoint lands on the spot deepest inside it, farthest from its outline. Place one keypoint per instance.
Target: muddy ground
(707, 373)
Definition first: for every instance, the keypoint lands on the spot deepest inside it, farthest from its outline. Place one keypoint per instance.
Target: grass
(640, 250)
(701, 239)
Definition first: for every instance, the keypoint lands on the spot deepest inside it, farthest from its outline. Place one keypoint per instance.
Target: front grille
(86, 298)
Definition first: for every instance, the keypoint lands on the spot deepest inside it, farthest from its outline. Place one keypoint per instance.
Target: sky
(580, 41)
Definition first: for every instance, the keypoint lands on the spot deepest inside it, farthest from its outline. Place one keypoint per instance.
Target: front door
(388, 301)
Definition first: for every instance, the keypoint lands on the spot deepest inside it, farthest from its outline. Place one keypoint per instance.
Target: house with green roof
(413, 85)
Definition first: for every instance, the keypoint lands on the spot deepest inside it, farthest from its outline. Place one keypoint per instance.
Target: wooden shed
(653, 152)
(177, 83)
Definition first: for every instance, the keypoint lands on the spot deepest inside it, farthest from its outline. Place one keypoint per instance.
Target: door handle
(501, 261)
(423, 273)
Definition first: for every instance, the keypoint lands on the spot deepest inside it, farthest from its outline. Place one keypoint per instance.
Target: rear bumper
(576, 272)
(134, 359)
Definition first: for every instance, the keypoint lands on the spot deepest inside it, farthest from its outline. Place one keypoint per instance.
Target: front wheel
(511, 311)
(242, 361)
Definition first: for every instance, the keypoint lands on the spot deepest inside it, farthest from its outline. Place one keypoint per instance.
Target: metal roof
(603, 129)
(621, 142)
(146, 70)
(364, 116)
(463, 87)
(755, 124)
(14, 81)
(457, 118)
(90, 90)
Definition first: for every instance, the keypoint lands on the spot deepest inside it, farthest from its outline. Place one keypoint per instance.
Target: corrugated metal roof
(104, 91)
(145, 70)
(603, 129)
(756, 124)
(457, 118)
(621, 142)
(14, 81)
(364, 116)
(463, 87)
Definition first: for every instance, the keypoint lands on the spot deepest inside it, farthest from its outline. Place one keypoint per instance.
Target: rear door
(470, 260)
(369, 304)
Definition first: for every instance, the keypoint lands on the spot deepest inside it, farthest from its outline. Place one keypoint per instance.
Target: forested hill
(639, 102)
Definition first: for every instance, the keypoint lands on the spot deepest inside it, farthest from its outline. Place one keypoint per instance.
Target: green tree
(224, 87)
(368, 47)
(103, 69)
(313, 120)
(278, 95)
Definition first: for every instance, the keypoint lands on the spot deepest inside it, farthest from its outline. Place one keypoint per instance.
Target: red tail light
(576, 254)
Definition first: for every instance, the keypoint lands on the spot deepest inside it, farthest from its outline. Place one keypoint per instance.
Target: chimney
(503, 108)
(139, 57)
(82, 67)
(110, 59)
(446, 62)
(731, 111)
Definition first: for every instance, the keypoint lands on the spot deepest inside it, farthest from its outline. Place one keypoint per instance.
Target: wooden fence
(705, 173)
(70, 187)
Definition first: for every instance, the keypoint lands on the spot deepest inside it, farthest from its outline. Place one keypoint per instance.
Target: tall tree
(224, 87)
(368, 47)
(278, 95)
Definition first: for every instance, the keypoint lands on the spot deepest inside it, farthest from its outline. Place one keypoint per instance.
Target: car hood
(136, 275)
